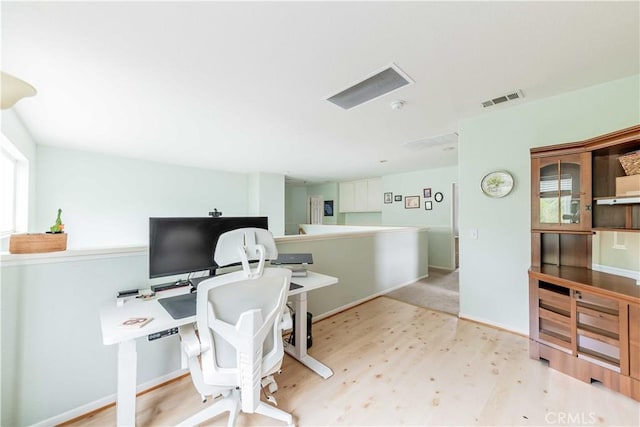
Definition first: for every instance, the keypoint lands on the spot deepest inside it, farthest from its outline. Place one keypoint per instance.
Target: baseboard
(439, 267)
(365, 299)
(493, 324)
(106, 401)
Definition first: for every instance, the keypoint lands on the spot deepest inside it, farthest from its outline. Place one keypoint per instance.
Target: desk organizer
(30, 243)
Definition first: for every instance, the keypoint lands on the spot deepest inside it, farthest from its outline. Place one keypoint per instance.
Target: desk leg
(299, 351)
(126, 400)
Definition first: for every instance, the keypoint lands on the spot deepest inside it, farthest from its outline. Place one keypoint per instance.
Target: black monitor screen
(185, 245)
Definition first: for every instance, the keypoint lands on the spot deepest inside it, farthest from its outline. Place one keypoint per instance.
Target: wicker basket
(631, 163)
(30, 243)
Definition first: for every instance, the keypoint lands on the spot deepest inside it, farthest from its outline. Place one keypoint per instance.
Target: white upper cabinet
(361, 196)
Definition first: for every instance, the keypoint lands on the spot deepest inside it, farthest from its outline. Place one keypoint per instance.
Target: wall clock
(438, 197)
(497, 184)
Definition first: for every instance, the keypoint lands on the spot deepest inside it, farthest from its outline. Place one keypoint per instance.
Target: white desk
(111, 316)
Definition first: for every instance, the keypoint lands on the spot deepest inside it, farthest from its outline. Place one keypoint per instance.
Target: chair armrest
(285, 321)
(190, 342)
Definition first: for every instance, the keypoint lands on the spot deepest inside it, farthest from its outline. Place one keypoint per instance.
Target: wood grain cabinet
(585, 323)
(634, 341)
(561, 192)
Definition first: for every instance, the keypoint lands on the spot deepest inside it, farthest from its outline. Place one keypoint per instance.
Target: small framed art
(388, 197)
(426, 193)
(428, 205)
(411, 202)
(397, 198)
(328, 208)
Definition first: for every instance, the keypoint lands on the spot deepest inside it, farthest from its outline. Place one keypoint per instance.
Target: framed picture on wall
(411, 202)
(398, 198)
(328, 208)
(426, 193)
(388, 197)
(428, 205)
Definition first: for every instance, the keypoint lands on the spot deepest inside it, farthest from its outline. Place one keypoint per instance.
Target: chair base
(232, 404)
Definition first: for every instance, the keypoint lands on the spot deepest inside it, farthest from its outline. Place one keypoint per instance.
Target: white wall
(266, 198)
(107, 200)
(438, 220)
(295, 208)
(493, 268)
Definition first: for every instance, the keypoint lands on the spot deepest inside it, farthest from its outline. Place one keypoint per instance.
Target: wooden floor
(398, 364)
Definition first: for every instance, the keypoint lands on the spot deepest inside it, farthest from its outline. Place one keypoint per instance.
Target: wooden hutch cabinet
(585, 323)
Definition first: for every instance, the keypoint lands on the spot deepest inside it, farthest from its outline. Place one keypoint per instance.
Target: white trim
(107, 400)
(439, 267)
(71, 255)
(494, 324)
(330, 235)
(618, 272)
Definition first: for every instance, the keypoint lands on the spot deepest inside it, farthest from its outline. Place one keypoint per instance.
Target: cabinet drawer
(593, 318)
(599, 350)
(555, 333)
(604, 304)
(554, 301)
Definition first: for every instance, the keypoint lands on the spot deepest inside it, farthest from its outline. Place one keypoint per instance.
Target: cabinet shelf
(599, 335)
(599, 356)
(618, 229)
(597, 310)
(555, 338)
(627, 200)
(559, 318)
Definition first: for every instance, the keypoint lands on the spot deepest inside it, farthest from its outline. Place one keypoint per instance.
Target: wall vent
(504, 98)
(389, 79)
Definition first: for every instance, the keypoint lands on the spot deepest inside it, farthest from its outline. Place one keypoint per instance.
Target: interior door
(316, 209)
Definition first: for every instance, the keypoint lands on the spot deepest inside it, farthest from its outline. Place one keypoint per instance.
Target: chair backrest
(238, 316)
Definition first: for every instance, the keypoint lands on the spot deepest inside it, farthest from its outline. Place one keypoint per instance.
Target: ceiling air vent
(449, 139)
(381, 83)
(504, 98)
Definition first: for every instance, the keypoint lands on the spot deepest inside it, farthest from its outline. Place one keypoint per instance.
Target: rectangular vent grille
(504, 98)
(373, 87)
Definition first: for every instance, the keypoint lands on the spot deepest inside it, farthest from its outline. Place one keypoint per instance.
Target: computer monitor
(187, 245)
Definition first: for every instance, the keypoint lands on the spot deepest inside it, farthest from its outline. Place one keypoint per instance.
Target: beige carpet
(439, 291)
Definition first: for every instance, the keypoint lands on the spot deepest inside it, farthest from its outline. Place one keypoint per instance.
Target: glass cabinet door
(561, 201)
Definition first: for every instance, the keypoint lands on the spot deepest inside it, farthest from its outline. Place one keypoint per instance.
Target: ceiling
(242, 86)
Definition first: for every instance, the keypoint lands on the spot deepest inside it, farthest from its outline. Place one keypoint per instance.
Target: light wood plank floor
(398, 364)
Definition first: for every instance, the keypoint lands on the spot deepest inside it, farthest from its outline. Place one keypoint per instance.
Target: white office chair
(240, 317)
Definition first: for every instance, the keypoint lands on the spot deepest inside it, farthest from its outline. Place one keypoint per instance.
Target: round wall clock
(438, 197)
(497, 184)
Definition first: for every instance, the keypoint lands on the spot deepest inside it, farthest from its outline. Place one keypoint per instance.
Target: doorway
(315, 209)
